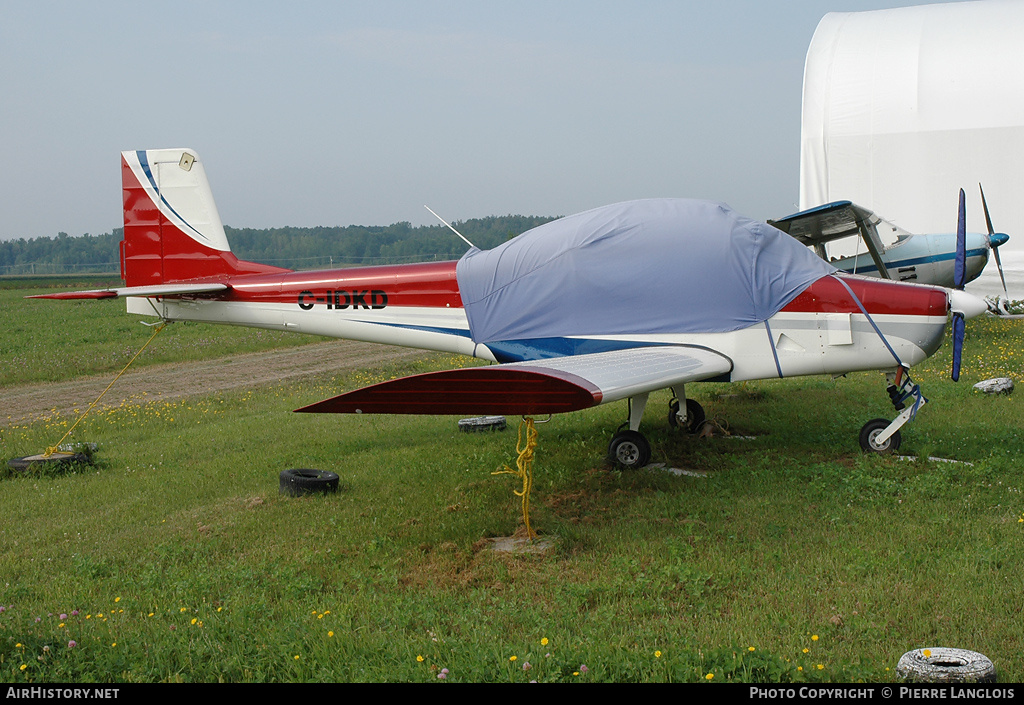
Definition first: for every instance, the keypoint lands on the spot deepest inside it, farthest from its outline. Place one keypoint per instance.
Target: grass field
(794, 558)
(47, 341)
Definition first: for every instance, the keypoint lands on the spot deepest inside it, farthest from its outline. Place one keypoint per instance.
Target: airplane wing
(822, 224)
(548, 386)
(833, 221)
(154, 290)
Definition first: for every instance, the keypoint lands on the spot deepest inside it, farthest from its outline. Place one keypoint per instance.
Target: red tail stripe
(155, 251)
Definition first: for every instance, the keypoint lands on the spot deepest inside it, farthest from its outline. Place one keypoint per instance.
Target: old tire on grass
(482, 423)
(56, 460)
(943, 665)
(301, 481)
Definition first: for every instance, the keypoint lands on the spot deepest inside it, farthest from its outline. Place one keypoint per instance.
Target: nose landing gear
(883, 436)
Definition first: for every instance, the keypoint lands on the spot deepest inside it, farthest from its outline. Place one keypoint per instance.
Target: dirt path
(193, 378)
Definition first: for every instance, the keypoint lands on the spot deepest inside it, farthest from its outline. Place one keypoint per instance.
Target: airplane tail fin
(172, 231)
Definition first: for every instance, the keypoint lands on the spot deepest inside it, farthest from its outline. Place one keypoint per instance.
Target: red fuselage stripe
(878, 296)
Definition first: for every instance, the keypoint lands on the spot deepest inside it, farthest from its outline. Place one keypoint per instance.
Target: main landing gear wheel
(629, 450)
(870, 432)
(694, 416)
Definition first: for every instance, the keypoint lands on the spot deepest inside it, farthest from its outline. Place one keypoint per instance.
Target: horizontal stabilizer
(154, 290)
(549, 386)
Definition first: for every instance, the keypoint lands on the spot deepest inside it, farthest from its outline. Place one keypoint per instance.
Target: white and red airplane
(605, 305)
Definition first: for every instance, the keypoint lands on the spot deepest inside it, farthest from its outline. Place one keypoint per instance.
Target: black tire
(944, 665)
(695, 416)
(301, 481)
(871, 429)
(482, 423)
(629, 450)
(54, 461)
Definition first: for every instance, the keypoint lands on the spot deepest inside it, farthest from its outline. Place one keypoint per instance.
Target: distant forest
(294, 248)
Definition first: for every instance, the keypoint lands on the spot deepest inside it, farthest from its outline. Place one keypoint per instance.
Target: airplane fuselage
(822, 331)
(922, 258)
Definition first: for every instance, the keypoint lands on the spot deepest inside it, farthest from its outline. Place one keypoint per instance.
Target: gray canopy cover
(650, 266)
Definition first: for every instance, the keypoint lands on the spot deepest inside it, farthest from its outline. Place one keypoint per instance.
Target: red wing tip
(475, 390)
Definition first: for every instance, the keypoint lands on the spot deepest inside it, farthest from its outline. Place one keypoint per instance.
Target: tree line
(291, 247)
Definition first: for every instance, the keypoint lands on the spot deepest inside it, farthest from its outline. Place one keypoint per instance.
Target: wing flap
(549, 386)
(153, 290)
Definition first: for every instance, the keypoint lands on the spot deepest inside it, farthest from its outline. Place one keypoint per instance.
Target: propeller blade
(958, 344)
(999, 266)
(988, 220)
(993, 241)
(960, 263)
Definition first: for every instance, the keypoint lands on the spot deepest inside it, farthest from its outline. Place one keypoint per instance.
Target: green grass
(185, 564)
(48, 341)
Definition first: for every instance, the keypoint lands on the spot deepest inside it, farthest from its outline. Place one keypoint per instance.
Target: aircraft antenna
(449, 226)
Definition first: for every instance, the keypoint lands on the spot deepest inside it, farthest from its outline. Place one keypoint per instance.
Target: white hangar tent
(903, 107)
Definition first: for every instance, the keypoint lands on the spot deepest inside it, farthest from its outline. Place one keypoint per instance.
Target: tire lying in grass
(302, 481)
(942, 665)
(482, 423)
(56, 460)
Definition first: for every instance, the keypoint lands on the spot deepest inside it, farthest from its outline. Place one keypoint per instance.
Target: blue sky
(335, 113)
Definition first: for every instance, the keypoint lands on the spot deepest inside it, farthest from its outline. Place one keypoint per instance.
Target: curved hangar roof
(903, 107)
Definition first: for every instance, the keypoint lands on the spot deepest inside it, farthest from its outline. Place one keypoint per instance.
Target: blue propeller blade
(960, 263)
(958, 344)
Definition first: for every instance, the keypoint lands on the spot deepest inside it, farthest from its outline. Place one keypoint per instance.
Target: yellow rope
(524, 464)
(53, 449)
